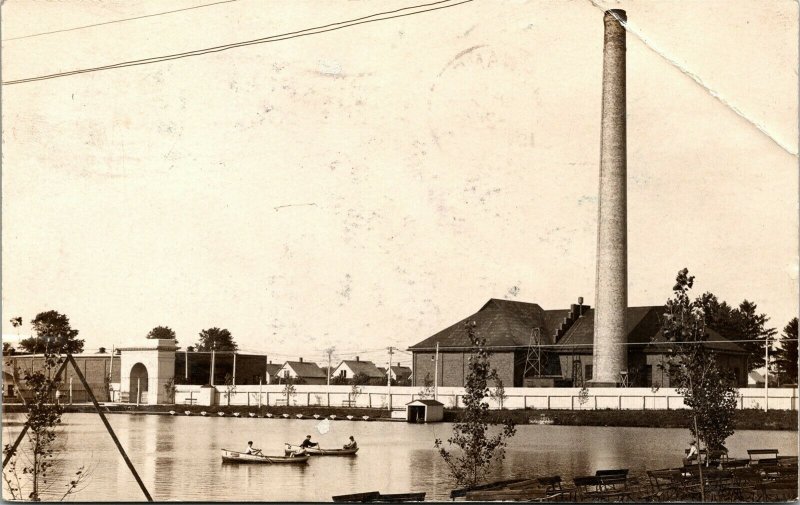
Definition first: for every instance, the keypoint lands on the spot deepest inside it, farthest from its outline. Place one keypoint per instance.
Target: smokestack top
(616, 14)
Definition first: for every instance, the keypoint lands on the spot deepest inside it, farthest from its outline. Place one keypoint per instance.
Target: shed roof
(426, 401)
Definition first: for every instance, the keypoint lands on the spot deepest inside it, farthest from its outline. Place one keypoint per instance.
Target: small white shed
(424, 411)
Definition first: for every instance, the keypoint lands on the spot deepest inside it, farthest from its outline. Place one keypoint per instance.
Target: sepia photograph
(387, 251)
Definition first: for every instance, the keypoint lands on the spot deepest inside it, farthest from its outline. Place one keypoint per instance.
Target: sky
(367, 187)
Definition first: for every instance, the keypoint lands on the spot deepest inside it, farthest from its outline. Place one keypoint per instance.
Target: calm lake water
(179, 458)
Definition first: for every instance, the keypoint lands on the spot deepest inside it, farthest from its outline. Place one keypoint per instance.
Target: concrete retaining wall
(517, 398)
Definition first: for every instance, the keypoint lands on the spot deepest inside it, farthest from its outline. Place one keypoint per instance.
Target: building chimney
(301, 359)
(611, 287)
(357, 358)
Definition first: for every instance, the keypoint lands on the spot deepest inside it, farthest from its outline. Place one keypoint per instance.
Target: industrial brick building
(531, 346)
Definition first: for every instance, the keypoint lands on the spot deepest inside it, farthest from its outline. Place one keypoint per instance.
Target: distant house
(272, 372)
(302, 371)
(349, 368)
(400, 373)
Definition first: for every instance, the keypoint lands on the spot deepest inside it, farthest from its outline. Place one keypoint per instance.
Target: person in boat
(250, 449)
(351, 444)
(305, 444)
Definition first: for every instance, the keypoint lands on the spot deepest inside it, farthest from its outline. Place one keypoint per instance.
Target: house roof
(510, 324)
(504, 323)
(367, 368)
(272, 368)
(644, 327)
(305, 369)
(401, 372)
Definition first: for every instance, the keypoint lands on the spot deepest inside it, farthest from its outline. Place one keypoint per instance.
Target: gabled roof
(504, 323)
(644, 327)
(272, 368)
(305, 369)
(401, 372)
(425, 401)
(367, 368)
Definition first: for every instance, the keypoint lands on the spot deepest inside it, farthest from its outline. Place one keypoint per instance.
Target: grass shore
(748, 419)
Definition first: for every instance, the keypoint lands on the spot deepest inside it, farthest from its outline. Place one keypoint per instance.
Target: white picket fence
(516, 398)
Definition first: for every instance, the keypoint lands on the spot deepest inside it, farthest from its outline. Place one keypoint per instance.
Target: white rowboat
(240, 457)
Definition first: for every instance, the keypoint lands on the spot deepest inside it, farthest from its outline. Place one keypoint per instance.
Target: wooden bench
(357, 497)
(462, 492)
(763, 456)
(377, 497)
(592, 488)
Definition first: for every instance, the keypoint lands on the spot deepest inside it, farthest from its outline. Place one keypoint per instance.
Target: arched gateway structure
(145, 371)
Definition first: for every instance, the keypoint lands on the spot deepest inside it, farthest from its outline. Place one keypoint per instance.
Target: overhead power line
(117, 21)
(380, 16)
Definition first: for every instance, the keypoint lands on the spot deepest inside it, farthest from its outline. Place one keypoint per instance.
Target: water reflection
(179, 457)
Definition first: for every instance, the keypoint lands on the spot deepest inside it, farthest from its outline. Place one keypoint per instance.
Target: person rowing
(305, 444)
(252, 450)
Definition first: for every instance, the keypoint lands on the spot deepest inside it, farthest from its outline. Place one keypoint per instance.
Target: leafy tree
(499, 392)
(478, 449)
(361, 379)
(230, 388)
(216, 339)
(8, 349)
(706, 389)
(289, 390)
(742, 323)
(52, 331)
(170, 388)
(54, 339)
(161, 332)
(785, 357)
(338, 380)
(427, 387)
(355, 392)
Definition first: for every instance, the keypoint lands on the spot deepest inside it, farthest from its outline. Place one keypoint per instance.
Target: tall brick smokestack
(610, 353)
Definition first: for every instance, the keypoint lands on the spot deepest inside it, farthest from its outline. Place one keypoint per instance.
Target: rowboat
(240, 457)
(316, 451)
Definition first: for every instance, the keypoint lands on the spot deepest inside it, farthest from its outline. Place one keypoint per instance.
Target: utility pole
(329, 351)
(389, 380)
(110, 374)
(436, 374)
(766, 374)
